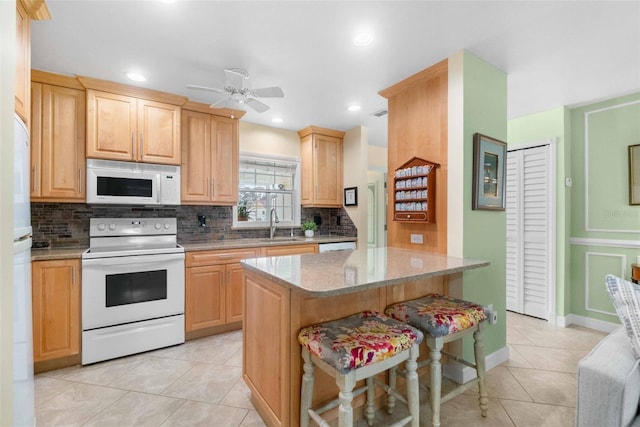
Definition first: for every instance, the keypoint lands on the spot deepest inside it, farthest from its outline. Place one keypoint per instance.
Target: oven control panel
(105, 227)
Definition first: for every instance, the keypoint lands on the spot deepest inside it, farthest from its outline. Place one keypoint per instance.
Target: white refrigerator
(23, 390)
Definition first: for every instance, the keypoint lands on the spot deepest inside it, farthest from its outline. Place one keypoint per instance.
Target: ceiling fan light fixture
(237, 91)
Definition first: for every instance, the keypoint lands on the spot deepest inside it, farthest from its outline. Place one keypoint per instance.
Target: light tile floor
(199, 384)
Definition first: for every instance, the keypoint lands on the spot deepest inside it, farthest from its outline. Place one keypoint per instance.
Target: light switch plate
(417, 239)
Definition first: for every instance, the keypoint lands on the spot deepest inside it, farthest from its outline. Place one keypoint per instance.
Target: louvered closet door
(528, 231)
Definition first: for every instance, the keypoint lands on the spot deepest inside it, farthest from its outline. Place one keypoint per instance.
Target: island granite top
(341, 272)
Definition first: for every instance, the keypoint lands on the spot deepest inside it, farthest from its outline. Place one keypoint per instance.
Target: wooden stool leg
(346, 383)
(370, 409)
(306, 393)
(391, 399)
(478, 347)
(413, 396)
(435, 390)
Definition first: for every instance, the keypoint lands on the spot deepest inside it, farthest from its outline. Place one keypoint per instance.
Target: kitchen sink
(281, 239)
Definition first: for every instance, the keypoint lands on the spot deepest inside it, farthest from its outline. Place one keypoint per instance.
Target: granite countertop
(259, 242)
(46, 254)
(342, 272)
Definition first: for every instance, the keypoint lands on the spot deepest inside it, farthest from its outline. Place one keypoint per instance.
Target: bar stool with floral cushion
(354, 348)
(444, 319)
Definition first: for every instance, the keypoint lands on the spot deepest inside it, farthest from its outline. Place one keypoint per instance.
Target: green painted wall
(484, 232)
(601, 134)
(554, 123)
(610, 242)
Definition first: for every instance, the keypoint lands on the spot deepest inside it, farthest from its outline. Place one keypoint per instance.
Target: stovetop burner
(115, 237)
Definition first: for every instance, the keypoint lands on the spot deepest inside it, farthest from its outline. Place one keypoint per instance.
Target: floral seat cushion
(438, 315)
(358, 340)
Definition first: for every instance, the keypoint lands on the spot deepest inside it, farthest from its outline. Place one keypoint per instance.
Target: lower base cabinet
(56, 309)
(213, 287)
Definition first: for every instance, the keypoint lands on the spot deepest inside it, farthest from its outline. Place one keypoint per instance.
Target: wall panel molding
(587, 275)
(608, 243)
(587, 115)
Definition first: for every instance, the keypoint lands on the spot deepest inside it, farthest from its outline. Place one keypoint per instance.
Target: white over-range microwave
(129, 183)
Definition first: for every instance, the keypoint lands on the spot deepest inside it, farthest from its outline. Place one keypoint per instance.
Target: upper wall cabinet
(321, 167)
(210, 156)
(57, 138)
(132, 124)
(26, 10)
(23, 62)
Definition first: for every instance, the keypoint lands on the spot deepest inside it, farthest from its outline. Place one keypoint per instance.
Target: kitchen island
(284, 294)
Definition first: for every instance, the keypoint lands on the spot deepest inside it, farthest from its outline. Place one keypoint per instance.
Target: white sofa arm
(608, 384)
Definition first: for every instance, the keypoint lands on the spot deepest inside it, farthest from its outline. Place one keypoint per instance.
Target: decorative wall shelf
(414, 190)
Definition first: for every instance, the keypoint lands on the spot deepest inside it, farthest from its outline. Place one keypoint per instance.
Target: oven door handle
(133, 260)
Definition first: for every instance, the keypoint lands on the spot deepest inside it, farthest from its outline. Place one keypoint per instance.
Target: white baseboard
(461, 374)
(587, 322)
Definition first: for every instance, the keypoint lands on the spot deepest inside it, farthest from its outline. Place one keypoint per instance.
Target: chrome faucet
(272, 223)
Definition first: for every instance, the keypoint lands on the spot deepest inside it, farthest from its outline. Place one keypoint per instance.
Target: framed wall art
(489, 173)
(351, 196)
(634, 174)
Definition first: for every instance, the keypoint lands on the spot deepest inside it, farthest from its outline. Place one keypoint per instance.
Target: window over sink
(266, 183)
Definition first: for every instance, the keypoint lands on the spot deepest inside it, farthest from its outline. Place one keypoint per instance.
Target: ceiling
(555, 53)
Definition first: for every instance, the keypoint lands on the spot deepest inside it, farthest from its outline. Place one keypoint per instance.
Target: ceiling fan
(236, 91)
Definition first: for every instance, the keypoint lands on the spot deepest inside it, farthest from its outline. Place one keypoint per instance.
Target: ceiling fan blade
(218, 104)
(209, 89)
(235, 77)
(260, 107)
(268, 92)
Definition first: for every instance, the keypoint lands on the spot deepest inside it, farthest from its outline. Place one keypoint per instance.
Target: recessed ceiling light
(354, 107)
(363, 39)
(277, 120)
(136, 77)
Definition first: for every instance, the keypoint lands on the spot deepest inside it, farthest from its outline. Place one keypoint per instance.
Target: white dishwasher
(337, 246)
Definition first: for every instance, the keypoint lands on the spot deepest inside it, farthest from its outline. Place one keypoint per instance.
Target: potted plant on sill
(309, 227)
(244, 206)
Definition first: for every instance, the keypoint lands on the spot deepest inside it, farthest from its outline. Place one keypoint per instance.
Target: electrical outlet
(417, 239)
(493, 316)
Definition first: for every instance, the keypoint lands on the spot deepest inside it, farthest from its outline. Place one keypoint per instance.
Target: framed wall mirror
(634, 174)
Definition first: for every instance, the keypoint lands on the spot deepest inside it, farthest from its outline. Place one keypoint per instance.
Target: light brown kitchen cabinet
(282, 250)
(57, 140)
(56, 308)
(210, 157)
(214, 287)
(204, 296)
(23, 62)
(126, 128)
(321, 153)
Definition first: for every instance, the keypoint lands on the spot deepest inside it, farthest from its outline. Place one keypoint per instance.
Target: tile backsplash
(67, 224)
